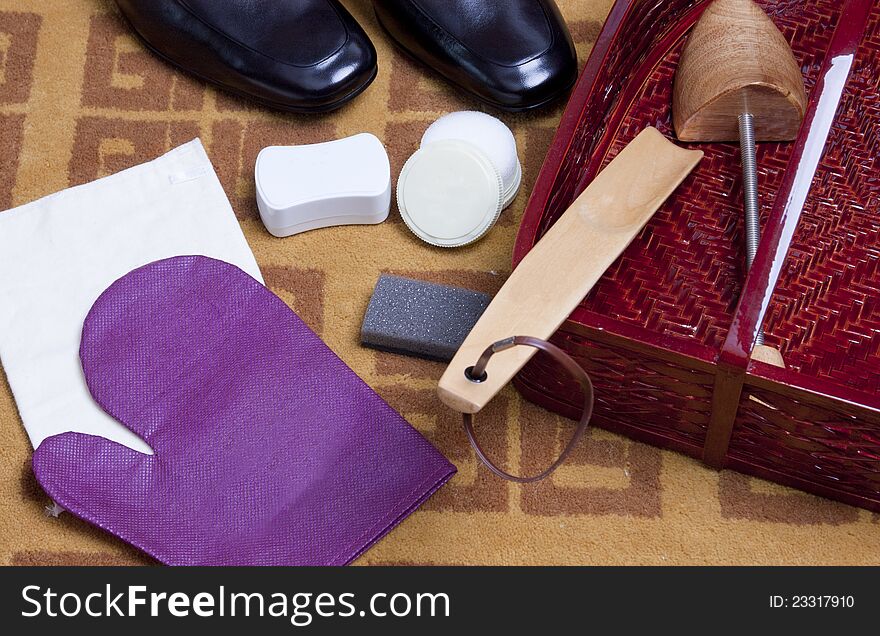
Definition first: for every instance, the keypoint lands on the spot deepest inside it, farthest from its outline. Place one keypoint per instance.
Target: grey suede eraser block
(421, 319)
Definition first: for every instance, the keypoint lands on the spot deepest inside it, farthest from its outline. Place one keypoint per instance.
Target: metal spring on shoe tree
(750, 193)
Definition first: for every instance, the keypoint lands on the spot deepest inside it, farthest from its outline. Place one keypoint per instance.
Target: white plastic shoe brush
(341, 182)
(452, 190)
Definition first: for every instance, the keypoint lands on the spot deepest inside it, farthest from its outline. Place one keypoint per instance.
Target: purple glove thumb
(268, 449)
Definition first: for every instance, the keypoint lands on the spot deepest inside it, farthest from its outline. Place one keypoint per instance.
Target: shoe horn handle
(563, 266)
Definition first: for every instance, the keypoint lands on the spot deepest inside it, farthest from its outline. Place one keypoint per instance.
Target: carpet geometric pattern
(81, 98)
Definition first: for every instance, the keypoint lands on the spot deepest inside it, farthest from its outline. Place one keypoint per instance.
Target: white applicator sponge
(487, 133)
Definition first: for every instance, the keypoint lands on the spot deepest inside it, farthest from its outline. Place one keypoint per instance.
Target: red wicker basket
(667, 334)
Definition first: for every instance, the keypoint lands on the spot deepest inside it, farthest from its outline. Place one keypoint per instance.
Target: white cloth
(59, 253)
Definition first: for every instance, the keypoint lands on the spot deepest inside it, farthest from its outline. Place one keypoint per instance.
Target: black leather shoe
(296, 55)
(513, 54)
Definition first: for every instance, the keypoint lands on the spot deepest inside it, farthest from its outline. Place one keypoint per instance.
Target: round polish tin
(450, 193)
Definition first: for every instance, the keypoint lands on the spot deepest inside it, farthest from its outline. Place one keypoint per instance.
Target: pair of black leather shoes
(312, 56)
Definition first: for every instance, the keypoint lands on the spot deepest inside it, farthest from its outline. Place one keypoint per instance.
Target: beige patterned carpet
(80, 98)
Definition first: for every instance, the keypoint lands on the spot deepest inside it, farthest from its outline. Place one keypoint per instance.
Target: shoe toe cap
(335, 79)
(532, 83)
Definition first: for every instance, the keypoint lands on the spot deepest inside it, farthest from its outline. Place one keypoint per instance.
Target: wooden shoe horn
(738, 80)
(558, 273)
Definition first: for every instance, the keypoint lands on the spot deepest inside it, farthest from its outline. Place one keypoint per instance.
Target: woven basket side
(833, 452)
(673, 292)
(652, 399)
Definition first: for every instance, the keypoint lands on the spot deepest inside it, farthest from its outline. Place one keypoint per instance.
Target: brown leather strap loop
(478, 371)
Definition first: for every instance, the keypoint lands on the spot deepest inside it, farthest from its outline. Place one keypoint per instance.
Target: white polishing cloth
(59, 253)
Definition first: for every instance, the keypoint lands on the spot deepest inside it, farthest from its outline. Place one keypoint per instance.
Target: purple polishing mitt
(268, 449)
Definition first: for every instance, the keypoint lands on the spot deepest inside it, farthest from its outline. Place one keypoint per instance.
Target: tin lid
(449, 193)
